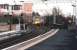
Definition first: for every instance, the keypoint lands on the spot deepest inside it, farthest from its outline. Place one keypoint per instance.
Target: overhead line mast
(74, 11)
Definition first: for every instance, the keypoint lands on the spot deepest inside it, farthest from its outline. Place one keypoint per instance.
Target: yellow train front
(37, 21)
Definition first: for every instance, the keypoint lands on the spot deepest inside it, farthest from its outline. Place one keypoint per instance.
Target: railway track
(23, 37)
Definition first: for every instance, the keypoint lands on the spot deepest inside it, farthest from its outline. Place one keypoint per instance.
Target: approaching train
(60, 21)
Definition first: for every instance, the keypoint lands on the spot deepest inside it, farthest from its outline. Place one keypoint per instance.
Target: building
(27, 11)
(10, 9)
(4, 9)
(16, 9)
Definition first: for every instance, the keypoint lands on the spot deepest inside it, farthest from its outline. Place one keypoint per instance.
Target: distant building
(4, 9)
(16, 9)
(27, 10)
(10, 9)
(4, 6)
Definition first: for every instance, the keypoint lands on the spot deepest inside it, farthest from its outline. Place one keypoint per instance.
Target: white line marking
(38, 41)
(33, 41)
(8, 32)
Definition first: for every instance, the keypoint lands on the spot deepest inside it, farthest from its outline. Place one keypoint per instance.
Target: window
(4, 6)
(16, 7)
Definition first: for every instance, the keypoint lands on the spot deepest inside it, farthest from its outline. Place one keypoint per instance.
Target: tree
(57, 15)
(56, 11)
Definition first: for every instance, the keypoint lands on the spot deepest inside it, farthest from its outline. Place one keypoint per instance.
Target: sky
(35, 1)
(45, 8)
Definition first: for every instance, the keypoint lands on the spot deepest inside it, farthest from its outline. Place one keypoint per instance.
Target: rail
(33, 41)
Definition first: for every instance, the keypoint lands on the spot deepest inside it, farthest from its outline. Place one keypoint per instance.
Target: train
(60, 21)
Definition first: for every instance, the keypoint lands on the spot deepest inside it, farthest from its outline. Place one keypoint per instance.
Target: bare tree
(56, 11)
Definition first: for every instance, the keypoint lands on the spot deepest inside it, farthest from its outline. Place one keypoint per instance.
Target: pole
(74, 12)
(10, 22)
(10, 13)
(54, 17)
(21, 2)
(19, 20)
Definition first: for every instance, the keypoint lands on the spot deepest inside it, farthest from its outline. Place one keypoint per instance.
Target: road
(63, 40)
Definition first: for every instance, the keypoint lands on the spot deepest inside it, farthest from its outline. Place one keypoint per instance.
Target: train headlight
(70, 21)
(36, 22)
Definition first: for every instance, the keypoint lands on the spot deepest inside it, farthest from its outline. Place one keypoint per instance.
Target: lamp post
(21, 2)
(54, 16)
(10, 14)
(74, 12)
(18, 27)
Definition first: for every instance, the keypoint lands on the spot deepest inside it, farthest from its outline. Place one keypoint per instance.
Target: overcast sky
(39, 6)
(34, 1)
